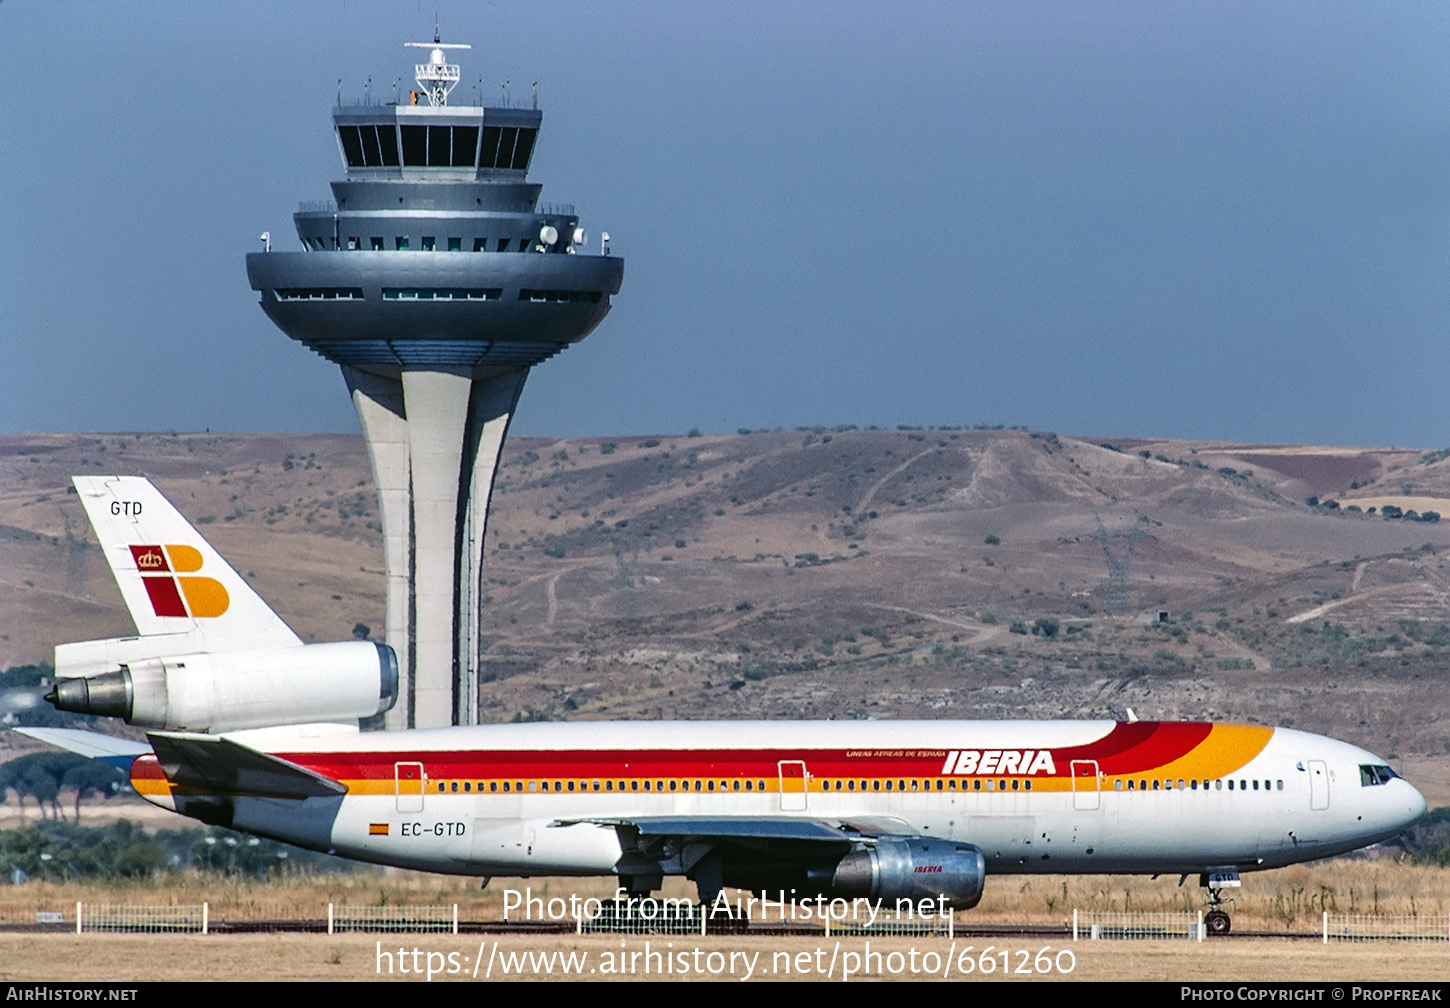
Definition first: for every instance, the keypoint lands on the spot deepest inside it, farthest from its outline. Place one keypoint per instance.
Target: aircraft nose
(1416, 805)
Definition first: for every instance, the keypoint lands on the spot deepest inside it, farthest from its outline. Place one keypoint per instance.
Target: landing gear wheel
(1217, 922)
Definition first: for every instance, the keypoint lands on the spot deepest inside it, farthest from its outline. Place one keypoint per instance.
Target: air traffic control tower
(436, 279)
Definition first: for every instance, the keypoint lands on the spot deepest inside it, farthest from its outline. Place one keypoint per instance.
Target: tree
(42, 775)
(92, 777)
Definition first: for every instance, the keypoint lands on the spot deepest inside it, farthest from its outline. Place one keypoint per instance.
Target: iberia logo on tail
(162, 570)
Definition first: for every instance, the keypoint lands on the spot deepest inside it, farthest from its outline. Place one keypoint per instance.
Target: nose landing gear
(1217, 920)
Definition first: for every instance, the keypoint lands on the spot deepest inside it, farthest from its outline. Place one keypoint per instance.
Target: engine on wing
(242, 689)
(912, 868)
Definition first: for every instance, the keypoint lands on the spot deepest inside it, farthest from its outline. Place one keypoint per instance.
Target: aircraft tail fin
(174, 583)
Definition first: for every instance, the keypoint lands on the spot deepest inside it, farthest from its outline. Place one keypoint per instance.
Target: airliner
(251, 729)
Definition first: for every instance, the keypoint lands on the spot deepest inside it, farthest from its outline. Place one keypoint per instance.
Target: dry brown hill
(835, 572)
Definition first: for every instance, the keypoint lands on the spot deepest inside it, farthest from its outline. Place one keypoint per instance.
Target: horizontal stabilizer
(118, 752)
(220, 766)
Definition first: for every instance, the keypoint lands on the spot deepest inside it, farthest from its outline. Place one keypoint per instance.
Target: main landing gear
(1217, 921)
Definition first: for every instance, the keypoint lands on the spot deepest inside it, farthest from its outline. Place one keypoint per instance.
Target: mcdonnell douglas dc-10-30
(251, 729)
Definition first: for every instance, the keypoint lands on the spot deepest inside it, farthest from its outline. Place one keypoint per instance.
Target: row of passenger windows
(870, 785)
(1167, 784)
(428, 243)
(377, 146)
(512, 787)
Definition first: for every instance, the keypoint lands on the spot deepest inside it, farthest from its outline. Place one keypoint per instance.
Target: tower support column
(379, 405)
(434, 437)
(491, 410)
(437, 407)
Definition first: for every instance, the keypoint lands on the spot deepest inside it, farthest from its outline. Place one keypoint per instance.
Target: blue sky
(1224, 220)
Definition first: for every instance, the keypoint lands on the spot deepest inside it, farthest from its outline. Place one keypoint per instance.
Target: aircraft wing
(678, 845)
(220, 766)
(691, 828)
(118, 752)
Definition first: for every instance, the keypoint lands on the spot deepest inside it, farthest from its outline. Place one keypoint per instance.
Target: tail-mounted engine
(241, 689)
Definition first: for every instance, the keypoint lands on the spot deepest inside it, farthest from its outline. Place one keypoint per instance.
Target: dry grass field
(347, 958)
(1286, 902)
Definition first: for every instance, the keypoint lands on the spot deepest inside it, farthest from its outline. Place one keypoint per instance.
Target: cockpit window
(1372, 776)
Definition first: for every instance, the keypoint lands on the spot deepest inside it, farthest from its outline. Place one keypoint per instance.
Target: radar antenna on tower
(436, 77)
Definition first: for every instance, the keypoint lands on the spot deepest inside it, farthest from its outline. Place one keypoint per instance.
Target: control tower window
(440, 154)
(415, 145)
(377, 243)
(488, 153)
(400, 243)
(465, 146)
(354, 243)
(371, 154)
(455, 244)
(525, 149)
(351, 146)
(388, 142)
(369, 146)
(508, 136)
(428, 243)
(507, 147)
(439, 146)
(480, 244)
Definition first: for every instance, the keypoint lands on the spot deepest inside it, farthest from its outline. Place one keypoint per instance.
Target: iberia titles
(986, 762)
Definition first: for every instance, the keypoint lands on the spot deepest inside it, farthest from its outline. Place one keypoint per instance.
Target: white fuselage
(1035, 797)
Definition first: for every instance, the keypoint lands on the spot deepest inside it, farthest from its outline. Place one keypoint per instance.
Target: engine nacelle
(236, 690)
(912, 868)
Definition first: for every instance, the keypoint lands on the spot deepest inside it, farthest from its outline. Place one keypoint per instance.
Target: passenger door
(408, 784)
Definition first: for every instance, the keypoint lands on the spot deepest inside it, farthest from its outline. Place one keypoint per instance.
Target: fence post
(455, 918)
(1200, 925)
(1074, 923)
(1326, 927)
(329, 918)
(78, 916)
(205, 914)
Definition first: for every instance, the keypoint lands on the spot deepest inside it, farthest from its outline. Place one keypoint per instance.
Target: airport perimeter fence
(1369, 927)
(398, 919)
(663, 917)
(1129, 926)
(683, 917)
(131, 919)
(643, 917)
